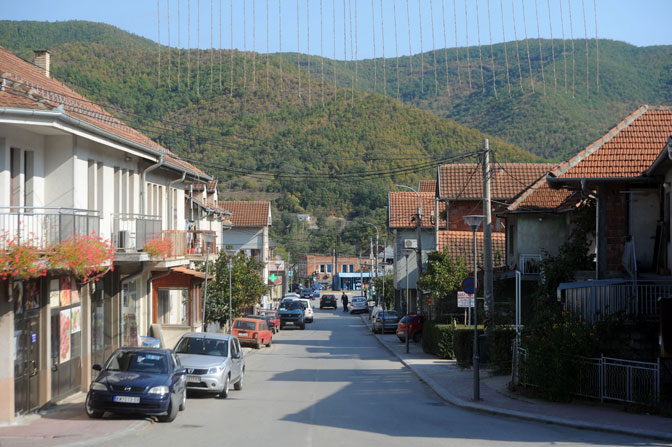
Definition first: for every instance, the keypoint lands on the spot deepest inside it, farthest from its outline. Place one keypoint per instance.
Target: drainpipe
(143, 202)
(170, 199)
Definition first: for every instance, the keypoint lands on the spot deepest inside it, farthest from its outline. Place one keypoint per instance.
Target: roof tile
(247, 213)
(460, 244)
(403, 207)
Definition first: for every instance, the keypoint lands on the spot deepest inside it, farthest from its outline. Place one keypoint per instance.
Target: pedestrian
(344, 300)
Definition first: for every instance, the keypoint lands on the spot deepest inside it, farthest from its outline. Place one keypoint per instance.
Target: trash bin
(150, 342)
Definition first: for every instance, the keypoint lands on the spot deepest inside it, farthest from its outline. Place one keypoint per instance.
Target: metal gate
(26, 363)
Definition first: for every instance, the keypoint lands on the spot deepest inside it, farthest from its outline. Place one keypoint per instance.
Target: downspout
(170, 199)
(150, 307)
(143, 201)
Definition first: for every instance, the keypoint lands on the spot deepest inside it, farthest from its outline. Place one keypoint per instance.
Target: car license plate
(127, 399)
(242, 334)
(195, 379)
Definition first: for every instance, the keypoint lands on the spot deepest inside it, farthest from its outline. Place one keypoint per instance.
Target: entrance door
(26, 363)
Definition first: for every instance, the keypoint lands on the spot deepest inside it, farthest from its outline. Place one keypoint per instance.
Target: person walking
(344, 300)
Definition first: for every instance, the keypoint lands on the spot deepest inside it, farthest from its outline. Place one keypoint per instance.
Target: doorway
(26, 362)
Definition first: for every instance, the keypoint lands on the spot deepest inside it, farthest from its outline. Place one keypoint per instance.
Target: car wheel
(90, 412)
(417, 337)
(239, 385)
(258, 345)
(183, 404)
(270, 342)
(172, 411)
(225, 392)
(302, 326)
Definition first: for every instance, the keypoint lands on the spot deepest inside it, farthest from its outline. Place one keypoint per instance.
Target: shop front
(26, 298)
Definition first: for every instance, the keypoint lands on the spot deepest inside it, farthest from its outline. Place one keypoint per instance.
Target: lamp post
(230, 252)
(474, 221)
(418, 225)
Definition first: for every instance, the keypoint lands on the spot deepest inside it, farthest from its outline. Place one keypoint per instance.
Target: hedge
(437, 339)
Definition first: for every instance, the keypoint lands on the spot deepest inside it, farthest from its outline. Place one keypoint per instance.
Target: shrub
(463, 344)
(437, 339)
(86, 257)
(499, 350)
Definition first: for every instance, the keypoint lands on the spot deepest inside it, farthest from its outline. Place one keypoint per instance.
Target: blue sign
(33, 337)
(469, 285)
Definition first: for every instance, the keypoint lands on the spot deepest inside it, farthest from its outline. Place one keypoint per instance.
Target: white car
(308, 310)
(358, 305)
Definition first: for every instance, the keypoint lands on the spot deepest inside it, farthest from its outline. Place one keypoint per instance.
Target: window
(352, 268)
(15, 177)
(321, 268)
(328, 268)
(344, 268)
(91, 185)
(29, 173)
(172, 306)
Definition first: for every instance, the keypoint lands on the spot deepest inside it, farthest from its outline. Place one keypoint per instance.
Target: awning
(190, 272)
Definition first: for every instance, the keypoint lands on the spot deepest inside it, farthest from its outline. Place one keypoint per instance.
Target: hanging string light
(308, 49)
(550, 25)
(492, 54)
(322, 52)
(515, 38)
(254, 44)
(382, 31)
(231, 43)
(356, 47)
(373, 33)
(410, 50)
(158, 39)
(345, 46)
(168, 12)
(585, 31)
(457, 48)
(466, 20)
(352, 57)
(189, 44)
(527, 44)
(436, 79)
(541, 55)
(422, 54)
(198, 47)
(597, 49)
(220, 45)
(445, 42)
(564, 48)
(396, 45)
(571, 36)
(298, 44)
(333, 27)
(179, 47)
(212, 43)
(480, 53)
(506, 54)
(280, 41)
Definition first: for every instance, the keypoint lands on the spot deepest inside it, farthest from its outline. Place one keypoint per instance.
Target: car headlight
(97, 386)
(159, 390)
(216, 370)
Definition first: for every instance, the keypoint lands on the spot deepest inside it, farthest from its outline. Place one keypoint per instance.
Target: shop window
(172, 306)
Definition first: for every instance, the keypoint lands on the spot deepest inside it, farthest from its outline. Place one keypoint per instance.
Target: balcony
(530, 264)
(192, 243)
(45, 226)
(130, 232)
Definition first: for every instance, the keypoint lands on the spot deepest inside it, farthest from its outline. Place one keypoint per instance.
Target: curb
(440, 391)
(111, 436)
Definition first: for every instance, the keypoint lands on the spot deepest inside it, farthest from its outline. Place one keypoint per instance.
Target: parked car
(252, 331)
(358, 305)
(291, 312)
(213, 362)
(307, 293)
(275, 318)
(307, 310)
(415, 323)
(145, 381)
(266, 318)
(328, 300)
(316, 294)
(387, 317)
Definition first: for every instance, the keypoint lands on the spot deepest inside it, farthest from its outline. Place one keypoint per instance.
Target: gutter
(558, 182)
(143, 187)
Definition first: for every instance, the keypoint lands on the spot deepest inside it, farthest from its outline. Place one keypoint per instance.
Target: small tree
(247, 286)
(388, 299)
(443, 276)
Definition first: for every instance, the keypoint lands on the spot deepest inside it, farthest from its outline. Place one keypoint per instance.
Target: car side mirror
(97, 367)
(180, 371)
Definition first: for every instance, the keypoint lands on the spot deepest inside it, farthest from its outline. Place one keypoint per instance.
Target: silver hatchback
(213, 362)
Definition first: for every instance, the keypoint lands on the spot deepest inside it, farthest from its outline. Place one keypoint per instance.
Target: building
(337, 273)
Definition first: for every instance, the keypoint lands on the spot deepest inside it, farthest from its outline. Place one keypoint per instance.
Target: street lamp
(474, 221)
(418, 225)
(230, 252)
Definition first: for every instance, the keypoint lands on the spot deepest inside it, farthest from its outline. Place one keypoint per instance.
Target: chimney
(42, 61)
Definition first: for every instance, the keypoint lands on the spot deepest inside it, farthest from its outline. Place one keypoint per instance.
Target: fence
(191, 242)
(44, 226)
(530, 264)
(132, 231)
(591, 301)
(607, 378)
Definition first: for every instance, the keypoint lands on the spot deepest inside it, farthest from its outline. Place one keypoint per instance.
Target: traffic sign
(469, 285)
(465, 299)
(272, 278)
(291, 273)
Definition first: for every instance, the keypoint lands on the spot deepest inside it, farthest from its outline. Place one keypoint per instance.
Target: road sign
(469, 285)
(465, 299)
(291, 273)
(272, 278)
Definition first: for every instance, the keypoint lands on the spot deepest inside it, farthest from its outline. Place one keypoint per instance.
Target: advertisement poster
(74, 293)
(54, 293)
(64, 283)
(17, 296)
(31, 295)
(65, 336)
(76, 319)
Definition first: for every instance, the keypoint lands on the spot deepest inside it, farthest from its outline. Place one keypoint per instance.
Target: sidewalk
(455, 385)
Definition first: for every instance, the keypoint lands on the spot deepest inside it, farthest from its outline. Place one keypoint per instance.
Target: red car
(415, 323)
(252, 331)
(275, 318)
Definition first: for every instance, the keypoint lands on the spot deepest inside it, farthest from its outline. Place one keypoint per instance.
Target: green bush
(499, 350)
(463, 344)
(437, 339)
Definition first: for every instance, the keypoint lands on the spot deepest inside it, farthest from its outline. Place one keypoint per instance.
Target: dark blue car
(140, 381)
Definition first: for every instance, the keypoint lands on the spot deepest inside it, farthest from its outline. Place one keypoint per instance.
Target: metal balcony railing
(130, 232)
(44, 226)
(530, 264)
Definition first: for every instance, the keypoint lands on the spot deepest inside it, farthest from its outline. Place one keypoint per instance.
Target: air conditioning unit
(123, 240)
(411, 243)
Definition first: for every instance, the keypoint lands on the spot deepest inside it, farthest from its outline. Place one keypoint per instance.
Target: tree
(247, 286)
(388, 299)
(443, 276)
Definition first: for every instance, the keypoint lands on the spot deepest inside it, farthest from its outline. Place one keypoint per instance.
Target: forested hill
(327, 151)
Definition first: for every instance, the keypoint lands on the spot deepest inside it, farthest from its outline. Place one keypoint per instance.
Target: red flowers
(159, 247)
(20, 260)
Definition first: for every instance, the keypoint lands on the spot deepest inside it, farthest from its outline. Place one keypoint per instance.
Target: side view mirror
(97, 367)
(236, 355)
(180, 371)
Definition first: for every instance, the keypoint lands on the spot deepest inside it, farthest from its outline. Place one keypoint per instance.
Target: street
(333, 384)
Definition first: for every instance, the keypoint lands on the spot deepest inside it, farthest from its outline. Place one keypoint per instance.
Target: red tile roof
(460, 244)
(427, 186)
(465, 180)
(24, 86)
(626, 151)
(248, 214)
(403, 207)
(541, 197)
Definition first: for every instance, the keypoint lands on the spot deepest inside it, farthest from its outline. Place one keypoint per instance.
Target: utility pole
(418, 258)
(488, 285)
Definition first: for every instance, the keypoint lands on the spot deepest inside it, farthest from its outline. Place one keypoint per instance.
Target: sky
(358, 30)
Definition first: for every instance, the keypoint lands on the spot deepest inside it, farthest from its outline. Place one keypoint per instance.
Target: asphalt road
(333, 384)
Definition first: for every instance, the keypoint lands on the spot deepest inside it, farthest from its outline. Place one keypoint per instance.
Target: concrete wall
(535, 233)
(428, 244)
(643, 217)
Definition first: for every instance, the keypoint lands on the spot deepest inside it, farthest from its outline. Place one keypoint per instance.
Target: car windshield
(138, 361)
(202, 346)
(358, 300)
(247, 325)
(291, 305)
